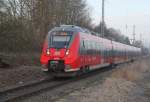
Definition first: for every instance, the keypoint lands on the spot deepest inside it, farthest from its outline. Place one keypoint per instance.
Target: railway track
(42, 86)
(16, 92)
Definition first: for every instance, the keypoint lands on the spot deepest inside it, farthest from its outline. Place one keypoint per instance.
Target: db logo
(57, 53)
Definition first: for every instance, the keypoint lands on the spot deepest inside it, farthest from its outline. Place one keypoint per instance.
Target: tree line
(113, 34)
(25, 23)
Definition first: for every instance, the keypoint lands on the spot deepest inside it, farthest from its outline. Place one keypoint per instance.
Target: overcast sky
(118, 13)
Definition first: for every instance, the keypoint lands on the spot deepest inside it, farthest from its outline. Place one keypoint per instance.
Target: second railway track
(16, 92)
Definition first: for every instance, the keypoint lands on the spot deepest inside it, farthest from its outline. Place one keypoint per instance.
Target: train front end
(60, 53)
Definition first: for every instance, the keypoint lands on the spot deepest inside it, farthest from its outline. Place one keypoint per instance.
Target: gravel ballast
(20, 75)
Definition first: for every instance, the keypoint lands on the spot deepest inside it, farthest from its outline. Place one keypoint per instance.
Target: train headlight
(48, 52)
(67, 52)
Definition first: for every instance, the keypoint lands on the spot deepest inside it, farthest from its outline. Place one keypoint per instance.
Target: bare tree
(26, 22)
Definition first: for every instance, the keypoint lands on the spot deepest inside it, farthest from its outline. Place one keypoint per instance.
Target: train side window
(81, 47)
(92, 48)
(102, 50)
(97, 48)
(83, 43)
(87, 47)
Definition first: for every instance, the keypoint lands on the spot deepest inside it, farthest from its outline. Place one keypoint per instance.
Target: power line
(126, 29)
(134, 34)
(103, 18)
(141, 42)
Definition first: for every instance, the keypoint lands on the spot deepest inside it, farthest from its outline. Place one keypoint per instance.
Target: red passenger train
(69, 50)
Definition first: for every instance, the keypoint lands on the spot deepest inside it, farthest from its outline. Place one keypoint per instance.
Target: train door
(82, 52)
(112, 52)
(105, 54)
(102, 53)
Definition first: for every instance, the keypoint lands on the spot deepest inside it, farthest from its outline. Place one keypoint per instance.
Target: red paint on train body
(70, 49)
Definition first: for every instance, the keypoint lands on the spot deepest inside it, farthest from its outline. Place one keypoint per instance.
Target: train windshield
(60, 39)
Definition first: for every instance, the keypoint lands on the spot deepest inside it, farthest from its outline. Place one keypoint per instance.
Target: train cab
(60, 51)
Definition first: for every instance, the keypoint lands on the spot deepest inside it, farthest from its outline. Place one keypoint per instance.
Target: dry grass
(111, 90)
(121, 86)
(132, 71)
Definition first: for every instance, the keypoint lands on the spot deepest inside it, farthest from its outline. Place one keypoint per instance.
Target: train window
(97, 48)
(88, 46)
(105, 52)
(91, 48)
(108, 52)
(94, 48)
(81, 47)
(102, 50)
(61, 38)
(60, 41)
(83, 44)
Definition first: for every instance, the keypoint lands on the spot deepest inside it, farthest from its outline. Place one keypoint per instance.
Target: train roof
(75, 28)
(72, 28)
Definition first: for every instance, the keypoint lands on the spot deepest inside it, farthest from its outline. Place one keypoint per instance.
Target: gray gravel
(20, 75)
(55, 94)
